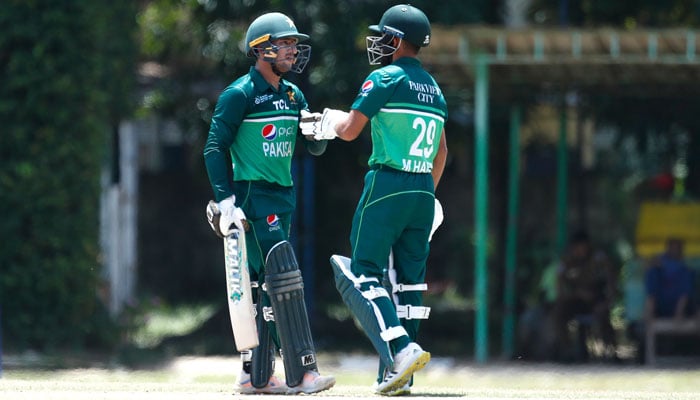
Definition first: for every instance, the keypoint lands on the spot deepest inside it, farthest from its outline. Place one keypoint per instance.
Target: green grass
(214, 377)
(136, 376)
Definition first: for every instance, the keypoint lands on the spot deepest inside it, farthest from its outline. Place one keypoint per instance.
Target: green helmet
(406, 22)
(272, 26)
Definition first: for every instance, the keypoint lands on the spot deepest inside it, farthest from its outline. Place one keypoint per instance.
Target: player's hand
(329, 120)
(307, 123)
(224, 216)
(437, 219)
(322, 128)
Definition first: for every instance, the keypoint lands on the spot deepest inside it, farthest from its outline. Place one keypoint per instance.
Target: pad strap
(389, 334)
(402, 287)
(412, 312)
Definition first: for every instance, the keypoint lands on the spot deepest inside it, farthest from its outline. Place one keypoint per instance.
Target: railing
(462, 44)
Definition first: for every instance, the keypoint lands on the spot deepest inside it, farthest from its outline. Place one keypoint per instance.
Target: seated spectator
(586, 290)
(669, 284)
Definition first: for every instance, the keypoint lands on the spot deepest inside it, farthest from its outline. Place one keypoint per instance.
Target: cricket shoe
(404, 390)
(313, 382)
(406, 362)
(274, 386)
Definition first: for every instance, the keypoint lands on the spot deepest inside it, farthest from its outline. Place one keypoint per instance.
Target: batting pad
(263, 356)
(285, 288)
(361, 295)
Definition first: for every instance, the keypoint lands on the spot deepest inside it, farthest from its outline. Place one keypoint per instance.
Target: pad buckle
(402, 287)
(412, 312)
(268, 315)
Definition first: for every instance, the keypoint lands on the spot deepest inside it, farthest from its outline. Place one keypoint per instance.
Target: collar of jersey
(408, 61)
(261, 85)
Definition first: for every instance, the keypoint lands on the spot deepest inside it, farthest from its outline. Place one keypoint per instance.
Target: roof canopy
(649, 63)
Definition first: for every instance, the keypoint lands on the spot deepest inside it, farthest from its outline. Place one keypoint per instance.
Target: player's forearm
(440, 160)
(349, 128)
(345, 132)
(438, 168)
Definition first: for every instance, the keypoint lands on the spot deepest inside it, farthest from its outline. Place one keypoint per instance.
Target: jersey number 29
(423, 145)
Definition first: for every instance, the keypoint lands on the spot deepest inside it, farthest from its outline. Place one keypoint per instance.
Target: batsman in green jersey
(394, 217)
(248, 157)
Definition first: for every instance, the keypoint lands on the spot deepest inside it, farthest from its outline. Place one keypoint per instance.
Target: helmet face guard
(379, 48)
(268, 52)
(302, 58)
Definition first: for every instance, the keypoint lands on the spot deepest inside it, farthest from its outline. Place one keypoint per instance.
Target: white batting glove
(224, 216)
(321, 126)
(326, 126)
(437, 219)
(307, 123)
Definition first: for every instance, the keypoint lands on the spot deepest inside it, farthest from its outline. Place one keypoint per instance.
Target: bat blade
(238, 292)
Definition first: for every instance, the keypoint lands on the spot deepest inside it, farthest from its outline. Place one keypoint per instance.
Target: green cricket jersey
(407, 112)
(259, 126)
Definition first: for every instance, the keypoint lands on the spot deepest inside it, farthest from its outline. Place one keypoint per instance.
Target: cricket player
(394, 216)
(256, 124)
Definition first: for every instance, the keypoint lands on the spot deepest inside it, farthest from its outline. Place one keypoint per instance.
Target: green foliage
(59, 94)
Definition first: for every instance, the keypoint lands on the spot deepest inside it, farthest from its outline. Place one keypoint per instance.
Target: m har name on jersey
(416, 166)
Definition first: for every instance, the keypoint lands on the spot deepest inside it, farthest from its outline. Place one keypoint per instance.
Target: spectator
(586, 290)
(669, 284)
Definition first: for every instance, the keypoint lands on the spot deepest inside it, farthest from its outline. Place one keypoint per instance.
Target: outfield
(212, 378)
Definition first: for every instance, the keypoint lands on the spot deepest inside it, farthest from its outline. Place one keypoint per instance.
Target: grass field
(213, 378)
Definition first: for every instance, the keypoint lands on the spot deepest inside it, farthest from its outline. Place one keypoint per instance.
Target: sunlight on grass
(214, 377)
(162, 322)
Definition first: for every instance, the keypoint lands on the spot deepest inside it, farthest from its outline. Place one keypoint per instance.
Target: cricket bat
(238, 291)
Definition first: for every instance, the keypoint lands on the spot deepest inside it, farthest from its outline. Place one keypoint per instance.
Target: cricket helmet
(403, 21)
(272, 26)
(406, 22)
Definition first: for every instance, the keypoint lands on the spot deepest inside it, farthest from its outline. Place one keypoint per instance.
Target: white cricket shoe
(406, 362)
(313, 382)
(404, 390)
(274, 385)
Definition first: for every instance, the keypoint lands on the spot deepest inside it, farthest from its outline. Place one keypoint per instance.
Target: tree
(66, 79)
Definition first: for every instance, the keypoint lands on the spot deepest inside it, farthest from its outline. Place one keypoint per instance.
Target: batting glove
(224, 216)
(326, 126)
(321, 126)
(437, 219)
(307, 123)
